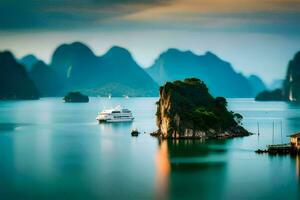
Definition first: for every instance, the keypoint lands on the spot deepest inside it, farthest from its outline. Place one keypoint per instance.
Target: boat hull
(115, 120)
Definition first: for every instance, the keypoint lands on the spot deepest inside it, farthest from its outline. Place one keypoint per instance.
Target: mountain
(76, 65)
(291, 87)
(28, 61)
(114, 73)
(216, 73)
(14, 80)
(120, 68)
(46, 80)
(257, 84)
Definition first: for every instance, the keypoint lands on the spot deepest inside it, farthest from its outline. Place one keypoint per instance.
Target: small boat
(116, 114)
(135, 132)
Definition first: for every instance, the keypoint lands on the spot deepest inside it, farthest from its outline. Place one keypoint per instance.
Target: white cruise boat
(117, 114)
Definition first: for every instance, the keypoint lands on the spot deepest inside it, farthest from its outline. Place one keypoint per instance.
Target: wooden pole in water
(281, 131)
(258, 133)
(273, 132)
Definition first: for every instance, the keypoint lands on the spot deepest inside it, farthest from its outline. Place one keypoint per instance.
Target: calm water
(53, 150)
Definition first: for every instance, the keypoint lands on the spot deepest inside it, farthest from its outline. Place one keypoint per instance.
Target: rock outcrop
(291, 87)
(187, 110)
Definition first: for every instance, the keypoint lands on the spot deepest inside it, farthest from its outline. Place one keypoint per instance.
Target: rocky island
(187, 110)
(76, 97)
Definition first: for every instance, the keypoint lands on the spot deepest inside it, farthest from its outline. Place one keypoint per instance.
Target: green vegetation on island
(187, 110)
(76, 97)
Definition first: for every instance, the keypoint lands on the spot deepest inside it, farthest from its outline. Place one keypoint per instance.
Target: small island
(76, 97)
(186, 110)
(275, 95)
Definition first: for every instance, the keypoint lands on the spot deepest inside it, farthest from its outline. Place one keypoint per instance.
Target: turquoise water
(53, 150)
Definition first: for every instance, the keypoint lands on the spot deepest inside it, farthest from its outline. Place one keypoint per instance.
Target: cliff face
(187, 110)
(291, 87)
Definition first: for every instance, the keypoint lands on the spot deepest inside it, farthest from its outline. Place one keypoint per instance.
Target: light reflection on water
(50, 150)
(162, 171)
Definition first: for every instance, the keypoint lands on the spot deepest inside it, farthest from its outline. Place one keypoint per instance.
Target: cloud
(263, 16)
(67, 14)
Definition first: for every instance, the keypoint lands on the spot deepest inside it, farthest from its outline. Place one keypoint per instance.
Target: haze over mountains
(74, 67)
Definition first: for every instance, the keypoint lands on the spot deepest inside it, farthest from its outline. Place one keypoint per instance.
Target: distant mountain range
(219, 75)
(74, 67)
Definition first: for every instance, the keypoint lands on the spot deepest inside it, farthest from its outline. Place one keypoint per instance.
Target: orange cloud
(186, 9)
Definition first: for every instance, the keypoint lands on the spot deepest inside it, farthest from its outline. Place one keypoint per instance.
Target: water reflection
(296, 161)
(163, 170)
(185, 169)
(297, 167)
(115, 127)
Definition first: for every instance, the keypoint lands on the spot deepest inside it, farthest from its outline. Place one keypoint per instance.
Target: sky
(255, 36)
